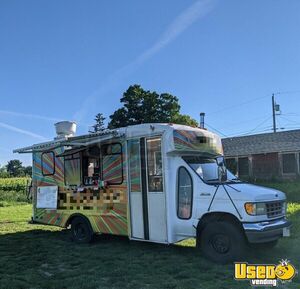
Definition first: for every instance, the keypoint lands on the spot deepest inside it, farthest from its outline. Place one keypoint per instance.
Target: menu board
(47, 197)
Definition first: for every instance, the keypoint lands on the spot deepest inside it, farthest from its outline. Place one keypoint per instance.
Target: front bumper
(267, 231)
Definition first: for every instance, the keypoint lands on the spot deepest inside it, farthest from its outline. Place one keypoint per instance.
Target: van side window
(154, 163)
(185, 194)
(72, 170)
(48, 163)
(112, 164)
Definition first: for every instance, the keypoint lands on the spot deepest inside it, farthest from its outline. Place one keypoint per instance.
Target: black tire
(222, 242)
(81, 230)
(264, 246)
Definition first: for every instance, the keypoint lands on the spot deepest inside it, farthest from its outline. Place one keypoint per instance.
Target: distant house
(264, 156)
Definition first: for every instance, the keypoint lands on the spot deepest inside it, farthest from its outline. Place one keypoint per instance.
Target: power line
(287, 92)
(253, 100)
(264, 129)
(245, 121)
(242, 133)
(289, 120)
(216, 130)
(237, 105)
(259, 125)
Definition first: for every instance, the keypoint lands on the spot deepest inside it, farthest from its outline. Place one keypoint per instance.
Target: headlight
(255, 209)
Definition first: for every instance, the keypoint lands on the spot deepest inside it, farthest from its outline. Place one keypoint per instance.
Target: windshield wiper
(235, 180)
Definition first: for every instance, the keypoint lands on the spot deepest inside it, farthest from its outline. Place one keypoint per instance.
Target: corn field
(13, 190)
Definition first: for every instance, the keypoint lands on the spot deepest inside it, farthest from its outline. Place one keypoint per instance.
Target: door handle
(205, 194)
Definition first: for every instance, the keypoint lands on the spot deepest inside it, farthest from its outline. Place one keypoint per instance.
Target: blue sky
(72, 59)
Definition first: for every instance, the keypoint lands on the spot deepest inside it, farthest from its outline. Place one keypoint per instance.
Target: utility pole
(202, 115)
(273, 112)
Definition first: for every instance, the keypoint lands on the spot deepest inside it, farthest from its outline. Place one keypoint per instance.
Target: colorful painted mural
(112, 169)
(55, 165)
(196, 141)
(105, 207)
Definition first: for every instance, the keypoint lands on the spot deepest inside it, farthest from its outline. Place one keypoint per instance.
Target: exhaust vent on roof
(65, 129)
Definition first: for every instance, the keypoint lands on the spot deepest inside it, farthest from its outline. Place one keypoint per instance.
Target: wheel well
(77, 215)
(216, 217)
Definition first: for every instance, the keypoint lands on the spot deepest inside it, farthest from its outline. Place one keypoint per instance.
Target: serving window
(72, 168)
(88, 166)
(91, 166)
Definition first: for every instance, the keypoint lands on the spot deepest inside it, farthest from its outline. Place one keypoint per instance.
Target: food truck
(153, 182)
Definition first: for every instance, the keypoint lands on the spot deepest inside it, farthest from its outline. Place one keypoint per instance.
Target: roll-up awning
(71, 151)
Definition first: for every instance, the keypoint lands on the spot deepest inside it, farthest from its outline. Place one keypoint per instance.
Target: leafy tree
(141, 106)
(184, 119)
(3, 172)
(28, 171)
(99, 125)
(14, 168)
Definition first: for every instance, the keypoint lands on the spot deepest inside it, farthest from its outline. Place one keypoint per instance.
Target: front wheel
(81, 230)
(222, 242)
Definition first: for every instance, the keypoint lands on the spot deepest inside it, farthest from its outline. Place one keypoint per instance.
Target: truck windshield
(207, 168)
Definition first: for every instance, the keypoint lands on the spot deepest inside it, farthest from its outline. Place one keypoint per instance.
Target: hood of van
(249, 192)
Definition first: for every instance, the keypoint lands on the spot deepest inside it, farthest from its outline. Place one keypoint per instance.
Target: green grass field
(37, 256)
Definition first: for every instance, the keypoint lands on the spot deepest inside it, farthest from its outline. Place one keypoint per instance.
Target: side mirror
(220, 161)
(222, 171)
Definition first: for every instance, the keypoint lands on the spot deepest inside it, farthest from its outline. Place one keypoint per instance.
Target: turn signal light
(250, 208)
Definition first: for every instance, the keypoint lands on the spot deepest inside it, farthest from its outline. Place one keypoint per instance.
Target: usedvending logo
(265, 274)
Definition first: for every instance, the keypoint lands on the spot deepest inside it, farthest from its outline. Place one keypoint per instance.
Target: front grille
(275, 209)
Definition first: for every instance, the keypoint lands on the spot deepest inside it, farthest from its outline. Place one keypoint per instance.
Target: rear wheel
(81, 230)
(222, 242)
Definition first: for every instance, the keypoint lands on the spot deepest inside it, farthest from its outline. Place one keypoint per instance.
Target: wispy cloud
(190, 15)
(22, 131)
(28, 115)
(81, 124)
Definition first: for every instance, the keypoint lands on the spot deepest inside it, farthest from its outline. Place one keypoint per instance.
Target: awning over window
(71, 151)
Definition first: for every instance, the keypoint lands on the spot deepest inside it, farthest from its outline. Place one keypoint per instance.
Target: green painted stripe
(120, 217)
(107, 226)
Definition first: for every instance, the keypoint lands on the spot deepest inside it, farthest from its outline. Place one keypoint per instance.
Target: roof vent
(65, 129)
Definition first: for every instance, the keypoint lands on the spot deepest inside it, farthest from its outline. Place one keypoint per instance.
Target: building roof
(284, 141)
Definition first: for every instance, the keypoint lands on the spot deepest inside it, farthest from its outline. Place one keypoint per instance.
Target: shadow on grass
(49, 259)
(41, 258)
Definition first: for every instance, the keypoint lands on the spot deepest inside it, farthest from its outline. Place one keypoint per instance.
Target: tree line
(144, 106)
(138, 106)
(14, 168)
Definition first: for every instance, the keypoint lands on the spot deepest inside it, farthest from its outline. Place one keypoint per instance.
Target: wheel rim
(221, 243)
(80, 232)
